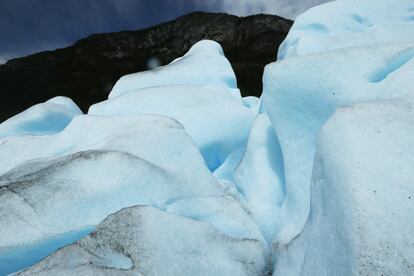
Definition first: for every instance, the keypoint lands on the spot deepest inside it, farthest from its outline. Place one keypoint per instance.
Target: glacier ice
(298, 108)
(349, 23)
(203, 64)
(143, 240)
(361, 219)
(313, 178)
(49, 117)
(216, 121)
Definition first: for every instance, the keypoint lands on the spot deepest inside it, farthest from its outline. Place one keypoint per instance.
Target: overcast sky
(29, 26)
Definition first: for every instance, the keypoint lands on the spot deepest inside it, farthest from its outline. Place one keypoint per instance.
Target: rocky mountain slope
(87, 70)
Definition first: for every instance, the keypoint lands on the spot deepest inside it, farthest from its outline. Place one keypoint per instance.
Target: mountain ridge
(87, 70)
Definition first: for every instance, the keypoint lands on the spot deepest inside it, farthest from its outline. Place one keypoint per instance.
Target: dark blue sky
(29, 26)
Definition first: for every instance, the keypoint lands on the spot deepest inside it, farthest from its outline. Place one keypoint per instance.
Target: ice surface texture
(349, 23)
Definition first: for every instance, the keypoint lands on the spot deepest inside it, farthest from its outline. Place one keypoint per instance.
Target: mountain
(87, 70)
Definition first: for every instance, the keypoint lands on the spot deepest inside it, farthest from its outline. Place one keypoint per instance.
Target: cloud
(285, 8)
(3, 60)
(6, 57)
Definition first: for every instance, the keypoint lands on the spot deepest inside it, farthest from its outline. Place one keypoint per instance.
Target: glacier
(177, 174)
(198, 108)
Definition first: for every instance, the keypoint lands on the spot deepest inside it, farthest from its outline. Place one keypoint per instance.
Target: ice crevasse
(180, 175)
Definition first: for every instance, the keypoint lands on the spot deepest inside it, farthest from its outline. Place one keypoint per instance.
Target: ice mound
(299, 106)
(146, 241)
(216, 121)
(361, 220)
(204, 64)
(49, 117)
(349, 23)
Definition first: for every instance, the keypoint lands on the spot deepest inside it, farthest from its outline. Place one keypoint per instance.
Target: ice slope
(259, 176)
(301, 93)
(349, 23)
(49, 117)
(254, 175)
(216, 121)
(361, 220)
(146, 241)
(203, 64)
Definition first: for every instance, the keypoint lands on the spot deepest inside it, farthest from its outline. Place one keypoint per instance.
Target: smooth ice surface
(224, 213)
(49, 117)
(17, 258)
(301, 93)
(349, 23)
(146, 241)
(361, 220)
(203, 64)
(259, 176)
(216, 121)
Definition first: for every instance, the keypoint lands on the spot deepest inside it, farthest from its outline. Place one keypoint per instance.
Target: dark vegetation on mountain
(87, 70)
